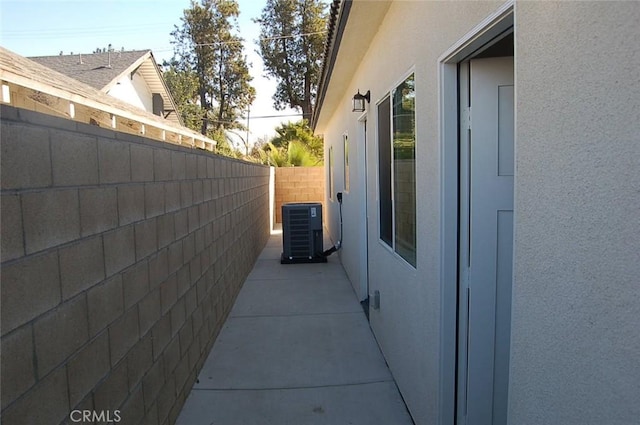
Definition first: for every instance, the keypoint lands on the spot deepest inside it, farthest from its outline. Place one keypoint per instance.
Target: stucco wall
(121, 258)
(411, 38)
(297, 184)
(134, 91)
(575, 343)
(576, 294)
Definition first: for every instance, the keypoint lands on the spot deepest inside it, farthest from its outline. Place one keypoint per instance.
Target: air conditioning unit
(302, 233)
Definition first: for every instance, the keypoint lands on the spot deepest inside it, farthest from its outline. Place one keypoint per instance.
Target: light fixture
(358, 101)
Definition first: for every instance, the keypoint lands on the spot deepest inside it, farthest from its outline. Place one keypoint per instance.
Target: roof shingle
(96, 69)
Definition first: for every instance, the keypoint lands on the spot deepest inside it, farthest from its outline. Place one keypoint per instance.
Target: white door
(487, 168)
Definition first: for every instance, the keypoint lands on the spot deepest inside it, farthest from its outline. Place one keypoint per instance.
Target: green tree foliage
(292, 35)
(209, 69)
(183, 85)
(294, 145)
(224, 147)
(296, 154)
(300, 132)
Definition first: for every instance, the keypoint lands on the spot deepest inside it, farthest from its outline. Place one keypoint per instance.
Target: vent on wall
(302, 233)
(158, 104)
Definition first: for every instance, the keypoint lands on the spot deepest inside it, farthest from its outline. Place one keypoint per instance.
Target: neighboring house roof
(103, 70)
(45, 88)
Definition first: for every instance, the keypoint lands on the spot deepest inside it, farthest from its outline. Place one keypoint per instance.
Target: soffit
(152, 75)
(363, 22)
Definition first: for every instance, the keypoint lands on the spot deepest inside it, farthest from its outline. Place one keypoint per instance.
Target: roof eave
(353, 27)
(166, 94)
(169, 96)
(15, 69)
(131, 68)
(338, 17)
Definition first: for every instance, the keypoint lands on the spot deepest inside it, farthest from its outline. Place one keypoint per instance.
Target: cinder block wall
(298, 184)
(121, 258)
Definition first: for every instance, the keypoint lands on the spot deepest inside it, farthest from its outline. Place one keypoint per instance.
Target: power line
(253, 117)
(106, 32)
(279, 37)
(75, 32)
(71, 32)
(167, 49)
(293, 36)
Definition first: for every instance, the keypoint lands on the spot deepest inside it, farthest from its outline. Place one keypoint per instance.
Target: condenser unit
(302, 233)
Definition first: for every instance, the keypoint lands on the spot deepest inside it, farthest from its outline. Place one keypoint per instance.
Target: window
(397, 170)
(404, 169)
(384, 172)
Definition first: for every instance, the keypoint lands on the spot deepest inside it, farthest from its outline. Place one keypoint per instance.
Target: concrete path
(296, 350)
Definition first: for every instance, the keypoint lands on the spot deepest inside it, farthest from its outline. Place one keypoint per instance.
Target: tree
(183, 85)
(296, 154)
(292, 35)
(294, 145)
(207, 50)
(302, 133)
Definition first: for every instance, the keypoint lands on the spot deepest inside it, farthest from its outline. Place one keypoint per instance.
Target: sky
(46, 27)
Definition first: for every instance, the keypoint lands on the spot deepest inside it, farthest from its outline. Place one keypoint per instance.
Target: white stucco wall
(575, 356)
(576, 295)
(351, 208)
(136, 92)
(408, 322)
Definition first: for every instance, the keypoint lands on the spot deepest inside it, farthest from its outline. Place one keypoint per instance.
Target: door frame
(364, 222)
(475, 41)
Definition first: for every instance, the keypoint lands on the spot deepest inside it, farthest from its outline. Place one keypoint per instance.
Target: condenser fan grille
(299, 233)
(302, 233)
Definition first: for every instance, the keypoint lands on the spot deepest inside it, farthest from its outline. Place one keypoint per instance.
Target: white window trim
(389, 94)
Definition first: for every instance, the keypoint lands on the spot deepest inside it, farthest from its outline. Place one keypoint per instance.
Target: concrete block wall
(298, 184)
(121, 258)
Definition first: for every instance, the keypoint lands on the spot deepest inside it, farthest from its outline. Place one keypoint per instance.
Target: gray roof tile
(96, 69)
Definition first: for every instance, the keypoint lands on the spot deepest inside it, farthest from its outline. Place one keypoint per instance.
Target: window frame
(384, 239)
(388, 96)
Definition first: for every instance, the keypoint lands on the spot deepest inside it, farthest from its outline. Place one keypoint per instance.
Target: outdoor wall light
(358, 101)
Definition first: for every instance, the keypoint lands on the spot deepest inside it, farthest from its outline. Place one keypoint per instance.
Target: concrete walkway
(296, 350)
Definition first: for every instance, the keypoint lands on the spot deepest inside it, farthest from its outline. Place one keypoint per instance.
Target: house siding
(121, 258)
(576, 298)
(576, 229)
(407, 325)
(133, 91)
